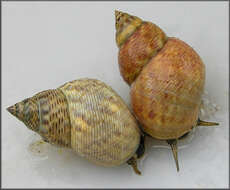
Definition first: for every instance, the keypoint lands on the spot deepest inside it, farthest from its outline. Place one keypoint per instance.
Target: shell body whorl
(102, 128)
(167, 95)
(85, 115)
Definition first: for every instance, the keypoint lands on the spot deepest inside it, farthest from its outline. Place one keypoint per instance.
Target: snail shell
(165, 74)
(85, 115)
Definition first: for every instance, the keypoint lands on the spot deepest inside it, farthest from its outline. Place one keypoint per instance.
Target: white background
(46, 44)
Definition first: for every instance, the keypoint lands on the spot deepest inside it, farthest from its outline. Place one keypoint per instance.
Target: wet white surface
(47, 44)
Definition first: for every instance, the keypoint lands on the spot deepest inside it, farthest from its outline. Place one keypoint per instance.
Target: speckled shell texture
(103, 130)
(54, 122)
(167, 80)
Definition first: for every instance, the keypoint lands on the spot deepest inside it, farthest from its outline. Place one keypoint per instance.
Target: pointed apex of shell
(120, 14)
(12, 110)
(123, 19)
(126, 24)
(27, 112)
(116, 13)
(16, 110)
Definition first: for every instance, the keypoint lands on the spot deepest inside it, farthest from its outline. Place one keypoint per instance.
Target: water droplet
(208, 106)
(37, 148)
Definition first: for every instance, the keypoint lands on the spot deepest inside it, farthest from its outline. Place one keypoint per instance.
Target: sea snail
(87, 116)
(166, 77)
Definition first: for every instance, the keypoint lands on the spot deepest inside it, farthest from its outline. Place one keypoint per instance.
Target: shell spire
(16, 110)
(27, 112)
(126, 25)
(138, 41)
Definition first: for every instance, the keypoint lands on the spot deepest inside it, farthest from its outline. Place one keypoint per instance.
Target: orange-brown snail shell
(166, 77)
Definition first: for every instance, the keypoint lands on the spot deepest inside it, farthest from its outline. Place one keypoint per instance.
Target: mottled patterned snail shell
(85, 115)
(166, 77)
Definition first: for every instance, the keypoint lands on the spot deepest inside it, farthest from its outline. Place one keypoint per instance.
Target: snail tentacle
(173, 144)
(133, 162)
(206, 123)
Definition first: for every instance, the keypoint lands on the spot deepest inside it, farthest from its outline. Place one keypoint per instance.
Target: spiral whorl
(138, 43)
(27, 112)
(125, 26)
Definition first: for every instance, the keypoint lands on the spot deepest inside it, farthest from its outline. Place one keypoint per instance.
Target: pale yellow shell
(103, 129)
(85, 115)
